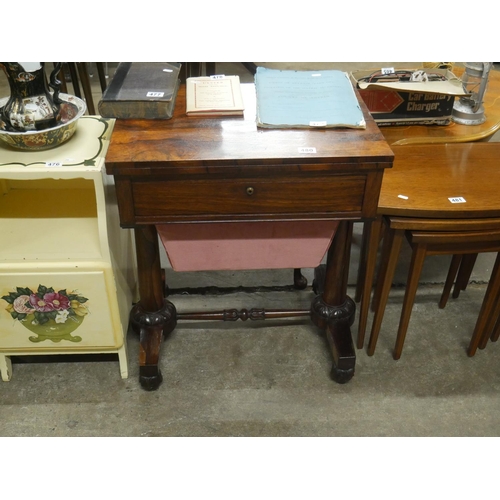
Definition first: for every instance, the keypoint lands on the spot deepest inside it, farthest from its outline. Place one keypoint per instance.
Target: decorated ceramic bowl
(72, 108)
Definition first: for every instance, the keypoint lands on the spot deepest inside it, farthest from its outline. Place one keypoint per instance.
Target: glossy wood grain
(145, 146)
(218, 199)
(454, 132)
(428, 175)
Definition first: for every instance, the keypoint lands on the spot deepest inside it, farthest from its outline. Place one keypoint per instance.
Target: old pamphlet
(214, 95)
(306, 99)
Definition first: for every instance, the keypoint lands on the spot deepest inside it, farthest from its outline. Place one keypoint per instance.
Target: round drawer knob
(250, 191)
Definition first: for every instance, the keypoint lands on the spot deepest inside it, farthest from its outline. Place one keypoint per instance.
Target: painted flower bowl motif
(49, 314)
(72, 108)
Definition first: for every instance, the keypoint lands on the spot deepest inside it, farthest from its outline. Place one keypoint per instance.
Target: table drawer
(248, 196)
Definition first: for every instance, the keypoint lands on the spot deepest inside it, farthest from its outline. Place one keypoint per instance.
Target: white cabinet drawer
(59, 309)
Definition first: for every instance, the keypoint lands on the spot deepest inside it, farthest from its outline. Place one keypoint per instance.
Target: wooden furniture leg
(210, 68)
(460, 268)
(5, 367)
(190, 69)
(363, 255)
(466, 267)
(102, 75)
(417, 262)
(250, 66)
(495, 334)
(154, 316)
(74, 79)
(79, 74)
(492, 329)
(62, 78)
(333, 310)
(496, 331)
(371, 239)
(299, 280)
(486, 309)
(347, 257)
(87, 89)
(384, 230)
(488, 315)
(389, 259)
(450, 278)
(360, 280)
(123, 361)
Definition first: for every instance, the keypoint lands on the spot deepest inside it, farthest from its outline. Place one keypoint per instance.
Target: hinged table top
(183, 141)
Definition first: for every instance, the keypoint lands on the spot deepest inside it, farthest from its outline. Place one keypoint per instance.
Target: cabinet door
(58, 310)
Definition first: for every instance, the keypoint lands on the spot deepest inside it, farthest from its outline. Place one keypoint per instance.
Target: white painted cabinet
(67, 270)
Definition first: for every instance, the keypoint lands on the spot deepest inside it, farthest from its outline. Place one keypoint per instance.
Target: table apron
(155, 200)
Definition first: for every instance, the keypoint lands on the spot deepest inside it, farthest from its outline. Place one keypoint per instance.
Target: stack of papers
(306, 99)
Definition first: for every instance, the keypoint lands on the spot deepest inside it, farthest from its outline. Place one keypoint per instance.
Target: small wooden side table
(67, 270)
(192, 170)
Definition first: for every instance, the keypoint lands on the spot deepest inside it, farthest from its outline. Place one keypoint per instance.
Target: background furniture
(67, 270)
(223, 170)
(439, 239)
(78, 73)
(455, 132)
(460, 268)
(422, 134)
(488, 322)
(417, 195)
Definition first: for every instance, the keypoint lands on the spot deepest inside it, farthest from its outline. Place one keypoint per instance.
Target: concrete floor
(272, 378)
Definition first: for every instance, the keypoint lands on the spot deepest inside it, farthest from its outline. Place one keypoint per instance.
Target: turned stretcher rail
(254, 314)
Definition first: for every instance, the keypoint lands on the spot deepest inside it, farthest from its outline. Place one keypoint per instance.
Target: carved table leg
(153, 317)
(332, 310)
(299, 280)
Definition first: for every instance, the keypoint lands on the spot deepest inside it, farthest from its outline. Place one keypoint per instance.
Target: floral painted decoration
(50, 314)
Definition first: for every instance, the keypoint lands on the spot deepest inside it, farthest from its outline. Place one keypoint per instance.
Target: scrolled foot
(337, 322)
(299, 280)
(318, 284)
(341, 376)
(150, 377)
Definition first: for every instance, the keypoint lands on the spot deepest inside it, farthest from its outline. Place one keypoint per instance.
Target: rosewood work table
(191, 170)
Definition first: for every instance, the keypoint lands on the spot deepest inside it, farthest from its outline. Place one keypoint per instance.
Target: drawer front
(68, 311)
(248, 197)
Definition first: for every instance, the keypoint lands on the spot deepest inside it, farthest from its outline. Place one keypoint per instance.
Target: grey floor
(272, 378)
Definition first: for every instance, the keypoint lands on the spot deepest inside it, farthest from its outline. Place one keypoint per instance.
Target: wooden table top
(140, 146)
(454, 132)
(428, 175)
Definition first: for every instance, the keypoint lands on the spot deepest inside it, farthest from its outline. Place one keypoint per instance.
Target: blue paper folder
(306, 99)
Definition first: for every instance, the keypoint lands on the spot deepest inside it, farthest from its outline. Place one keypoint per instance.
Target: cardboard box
(409, 102)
